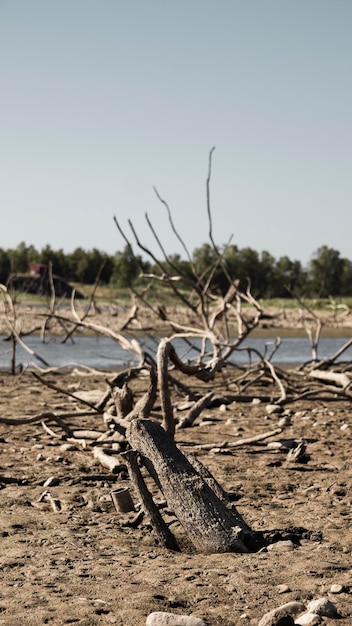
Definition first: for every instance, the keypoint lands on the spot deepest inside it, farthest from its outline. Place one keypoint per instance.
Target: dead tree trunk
(210, 525)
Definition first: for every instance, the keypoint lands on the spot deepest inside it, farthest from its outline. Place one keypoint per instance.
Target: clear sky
(100, 100)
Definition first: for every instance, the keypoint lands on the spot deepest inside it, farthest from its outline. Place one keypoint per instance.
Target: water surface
(105, 354)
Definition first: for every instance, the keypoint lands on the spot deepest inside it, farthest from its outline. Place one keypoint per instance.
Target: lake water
(105, 354)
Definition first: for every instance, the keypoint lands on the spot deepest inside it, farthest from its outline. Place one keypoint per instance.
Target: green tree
(76, 263)
(233, 261)
(346, 278)
(325, 273)
(21, 257)
(250, 269)
(289, 277)
(5, 266)
(267, 274)
(127, 268)
(206, 262)
(57, 258)
(177, 265)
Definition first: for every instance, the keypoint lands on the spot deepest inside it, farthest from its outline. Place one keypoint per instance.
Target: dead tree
(209, 523)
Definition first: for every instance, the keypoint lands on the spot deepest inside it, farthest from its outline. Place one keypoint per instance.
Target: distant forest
(327, 274)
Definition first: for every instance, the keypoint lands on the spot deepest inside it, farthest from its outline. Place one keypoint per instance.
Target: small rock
(285, 421)
(282, 546)
(283, 589)
(308, 619)
(293, 607)
(159, 618)
(336, 588)
(68, 447)
(256, 401)
(244, 616)
(277, 617)
(323, 606)
(273, 408)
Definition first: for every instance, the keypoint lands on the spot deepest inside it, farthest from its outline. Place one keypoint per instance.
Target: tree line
(327, 273)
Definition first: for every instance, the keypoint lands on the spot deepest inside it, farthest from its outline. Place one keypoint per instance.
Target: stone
(293, 607)
(282, 546)
(336, 588)
(282, 615)
(273, 408)
(159, 618)
(285, 421)
(277, 617)
(323, 606)
(68, 447)
(308, 619)
(283, 588)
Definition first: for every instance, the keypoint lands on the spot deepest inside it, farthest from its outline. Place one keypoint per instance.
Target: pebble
(322, 606)
(308, 619)
(285, 421)
(159, 618)
(277, 617)
(336, 588)
(68, 447)
(282, 615)
(293, 607)
(273, 408)
(282, 546)
(256, 401)
(283, 589)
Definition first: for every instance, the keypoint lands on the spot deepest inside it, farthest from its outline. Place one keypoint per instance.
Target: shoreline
(142, 321)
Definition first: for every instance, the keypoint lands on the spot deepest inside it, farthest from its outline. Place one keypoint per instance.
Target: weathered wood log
(338, 378)
(229, 445)
(110, 462)
(123, 400)
(196, 410)
(209, 524)
(161, 529)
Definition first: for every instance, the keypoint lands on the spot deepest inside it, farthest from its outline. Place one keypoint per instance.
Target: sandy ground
(86, 564)
(276, 321)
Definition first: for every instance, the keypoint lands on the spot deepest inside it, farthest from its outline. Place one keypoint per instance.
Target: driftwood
(162, 531)
(123, 400)
(110, 462)
(196, 410)
(228, 445)
(210, 525)
(338, 378)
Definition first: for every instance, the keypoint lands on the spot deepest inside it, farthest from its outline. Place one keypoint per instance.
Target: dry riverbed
(67, 557)
(86, 564)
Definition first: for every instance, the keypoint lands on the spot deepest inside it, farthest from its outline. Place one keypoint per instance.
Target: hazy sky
(103, 99)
